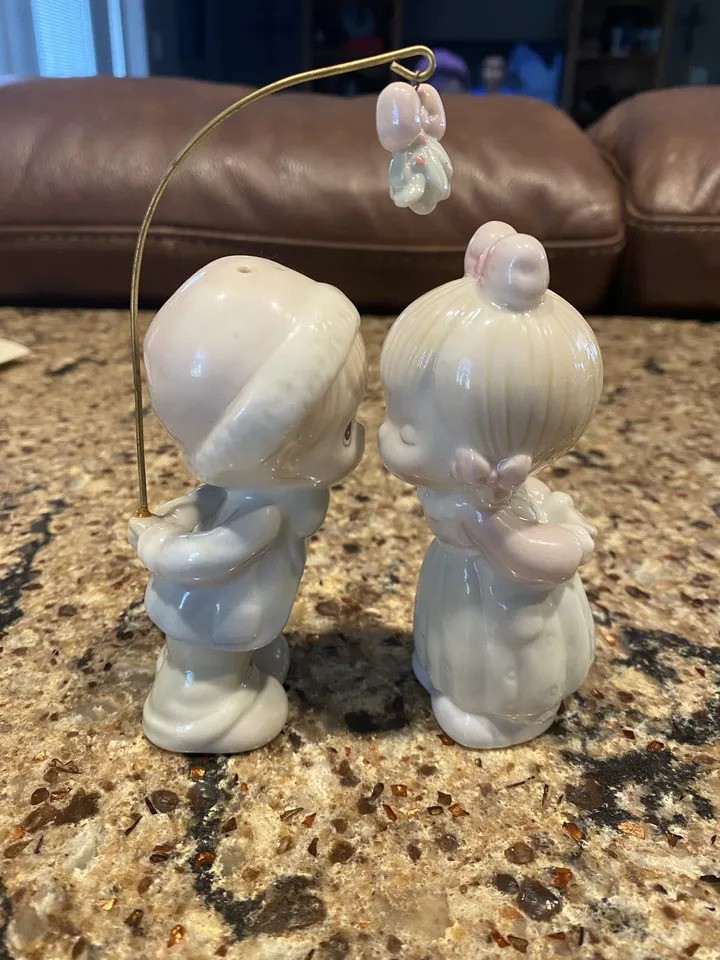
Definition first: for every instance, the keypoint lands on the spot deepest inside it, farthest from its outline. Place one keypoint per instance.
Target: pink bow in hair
(406, 115)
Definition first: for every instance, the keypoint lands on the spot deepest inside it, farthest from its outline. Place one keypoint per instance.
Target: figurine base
(213, 701)
(481, 731)
(273, 658)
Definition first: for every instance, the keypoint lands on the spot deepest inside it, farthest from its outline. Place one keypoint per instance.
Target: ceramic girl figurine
(410, 125)
(487, 380)
(257, 372)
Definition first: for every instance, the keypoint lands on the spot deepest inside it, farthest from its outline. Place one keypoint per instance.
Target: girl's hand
(560, 509)
(535, 554)
(584, 537)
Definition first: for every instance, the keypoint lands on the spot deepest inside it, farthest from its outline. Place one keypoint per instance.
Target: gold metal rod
(307, 76)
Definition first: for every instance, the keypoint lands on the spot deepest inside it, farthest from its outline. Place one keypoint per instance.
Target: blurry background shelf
(617, 58)
(611, 48)
(564, 51)
(334, 31)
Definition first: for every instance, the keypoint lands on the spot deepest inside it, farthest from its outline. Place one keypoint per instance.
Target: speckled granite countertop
(359, 833)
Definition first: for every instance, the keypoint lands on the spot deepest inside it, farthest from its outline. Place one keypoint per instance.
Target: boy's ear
(513, 471)
(469, 466)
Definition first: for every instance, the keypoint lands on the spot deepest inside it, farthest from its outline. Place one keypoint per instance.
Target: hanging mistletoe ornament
(410, 126)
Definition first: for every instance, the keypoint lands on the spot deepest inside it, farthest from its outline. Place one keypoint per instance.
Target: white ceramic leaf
(10, 351)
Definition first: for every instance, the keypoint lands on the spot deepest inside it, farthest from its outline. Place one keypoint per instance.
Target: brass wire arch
(306, 76)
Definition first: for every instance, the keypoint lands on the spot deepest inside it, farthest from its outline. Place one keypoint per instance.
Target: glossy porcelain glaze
(11, 351)
(257, 372)
(410, 125)
(488, 379)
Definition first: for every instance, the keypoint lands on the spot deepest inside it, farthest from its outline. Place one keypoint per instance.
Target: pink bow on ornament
(406, 115)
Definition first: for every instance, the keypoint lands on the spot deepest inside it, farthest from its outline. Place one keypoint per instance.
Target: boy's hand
(139, 525)
(136, 527)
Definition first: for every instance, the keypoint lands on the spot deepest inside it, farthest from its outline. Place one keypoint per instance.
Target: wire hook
(306, 76)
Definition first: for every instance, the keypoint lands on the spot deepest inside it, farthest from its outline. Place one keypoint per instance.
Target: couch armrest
(664, 147)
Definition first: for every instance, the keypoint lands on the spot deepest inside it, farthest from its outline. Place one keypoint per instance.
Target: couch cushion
(664, 145)
(299, 177)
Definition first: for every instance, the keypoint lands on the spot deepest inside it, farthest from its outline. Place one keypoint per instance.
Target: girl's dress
(492, 646)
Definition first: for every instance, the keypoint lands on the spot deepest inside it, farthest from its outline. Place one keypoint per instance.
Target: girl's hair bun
(515, 272)
(483, 238)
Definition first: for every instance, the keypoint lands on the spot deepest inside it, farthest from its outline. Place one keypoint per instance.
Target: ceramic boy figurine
(488, 379)
(410, 125)
(257, 372)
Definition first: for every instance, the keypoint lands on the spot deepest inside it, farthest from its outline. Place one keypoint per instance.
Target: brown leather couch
(628, 223)
(663, 148)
